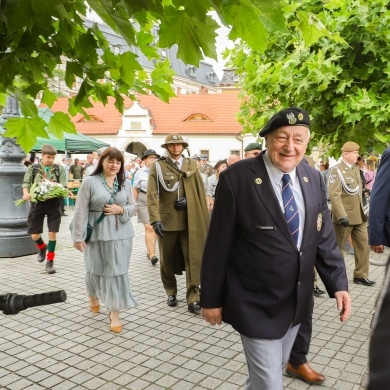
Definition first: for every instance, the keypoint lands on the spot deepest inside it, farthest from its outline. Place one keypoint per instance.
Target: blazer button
(299, 283)
(301, 254)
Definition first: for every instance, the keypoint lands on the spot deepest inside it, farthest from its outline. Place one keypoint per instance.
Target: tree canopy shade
(36, 36)
(344, 86)
(71, 144)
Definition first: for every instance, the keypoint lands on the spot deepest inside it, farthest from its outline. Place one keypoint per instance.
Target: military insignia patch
(258, 181)
(291, 118)
(174, 136)
(300, 116)
(332, 179)
(319, 221)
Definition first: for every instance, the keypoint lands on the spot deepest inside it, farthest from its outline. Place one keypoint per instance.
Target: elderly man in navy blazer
(270, 226)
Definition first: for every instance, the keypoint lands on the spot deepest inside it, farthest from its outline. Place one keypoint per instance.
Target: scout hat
(174, 139)
(292, 116)
(252, 146)
(149, 152)
(350, 147)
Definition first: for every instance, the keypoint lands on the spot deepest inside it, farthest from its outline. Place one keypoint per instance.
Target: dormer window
(191, 69)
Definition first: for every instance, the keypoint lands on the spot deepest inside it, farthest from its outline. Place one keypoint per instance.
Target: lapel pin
(258, 181)
(305, 179)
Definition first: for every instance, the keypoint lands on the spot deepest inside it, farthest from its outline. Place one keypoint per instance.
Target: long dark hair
(112, 153)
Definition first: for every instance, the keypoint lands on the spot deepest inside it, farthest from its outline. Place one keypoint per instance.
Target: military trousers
(359, 236)
(168, 256)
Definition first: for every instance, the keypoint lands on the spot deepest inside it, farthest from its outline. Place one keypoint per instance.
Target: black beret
(292, 116)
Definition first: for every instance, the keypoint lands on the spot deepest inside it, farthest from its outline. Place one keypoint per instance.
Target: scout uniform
(345, 193)
(184, 230)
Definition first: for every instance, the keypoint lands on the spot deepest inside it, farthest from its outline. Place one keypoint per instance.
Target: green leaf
(27, 106)
(189, 34)
(115, 17)
(25, 130)
(59, 124)
(48, 97)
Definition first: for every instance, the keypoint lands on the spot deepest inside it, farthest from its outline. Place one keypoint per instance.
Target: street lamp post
(14, 239)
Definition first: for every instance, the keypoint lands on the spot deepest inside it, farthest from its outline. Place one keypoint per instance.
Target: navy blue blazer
(251, 265)
(379, 216)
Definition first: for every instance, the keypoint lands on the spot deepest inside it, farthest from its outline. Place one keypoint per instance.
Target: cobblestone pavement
(65, 346)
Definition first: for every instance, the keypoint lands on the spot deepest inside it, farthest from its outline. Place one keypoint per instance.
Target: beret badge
(291, 118)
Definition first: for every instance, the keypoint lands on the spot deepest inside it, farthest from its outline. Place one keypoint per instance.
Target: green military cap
(350, 147)
(292, 116)
(174, 139)
(252, 146)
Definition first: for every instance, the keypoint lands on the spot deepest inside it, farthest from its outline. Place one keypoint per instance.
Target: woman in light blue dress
(107, 253)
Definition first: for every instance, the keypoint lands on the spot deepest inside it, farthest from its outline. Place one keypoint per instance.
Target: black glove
(344, 222)
(158, 228)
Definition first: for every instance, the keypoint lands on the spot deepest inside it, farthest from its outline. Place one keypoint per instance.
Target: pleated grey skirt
(106, 273)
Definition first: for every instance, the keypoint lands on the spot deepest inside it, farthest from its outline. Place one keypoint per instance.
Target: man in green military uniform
(178, 213)
(345, 193)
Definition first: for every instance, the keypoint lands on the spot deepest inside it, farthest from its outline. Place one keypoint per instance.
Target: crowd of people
(281, 221)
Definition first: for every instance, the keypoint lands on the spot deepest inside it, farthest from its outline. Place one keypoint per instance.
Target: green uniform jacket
(344, 204)
(194, 219)
(28, 176)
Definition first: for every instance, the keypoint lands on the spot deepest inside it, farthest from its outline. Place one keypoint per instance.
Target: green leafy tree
(36, 36)
(342, 81)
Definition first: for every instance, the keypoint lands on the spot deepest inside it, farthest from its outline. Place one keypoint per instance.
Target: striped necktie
(290, 207)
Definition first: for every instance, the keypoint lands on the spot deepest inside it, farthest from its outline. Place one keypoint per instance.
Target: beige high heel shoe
(96, 308)
(116, 328)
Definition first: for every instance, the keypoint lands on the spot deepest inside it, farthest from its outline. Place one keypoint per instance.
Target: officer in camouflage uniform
(178, 213)
(345, 193)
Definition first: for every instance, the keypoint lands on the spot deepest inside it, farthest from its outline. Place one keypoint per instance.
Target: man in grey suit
(272, 213)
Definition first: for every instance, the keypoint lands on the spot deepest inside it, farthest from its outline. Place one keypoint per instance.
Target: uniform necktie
(177, 165)
(290, 207)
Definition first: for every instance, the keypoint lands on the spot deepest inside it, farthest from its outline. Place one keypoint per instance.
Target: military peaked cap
(174, 139)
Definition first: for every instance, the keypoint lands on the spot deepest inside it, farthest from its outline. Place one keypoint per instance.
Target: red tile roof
(221, 110)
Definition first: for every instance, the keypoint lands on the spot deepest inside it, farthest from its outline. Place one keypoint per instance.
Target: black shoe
(364, 281)
(318, 291)
(154, 260)
(42, 254)
(194, 307)
(49, 268)
(171, 301)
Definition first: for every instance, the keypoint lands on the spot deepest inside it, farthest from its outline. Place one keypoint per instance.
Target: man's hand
(213, 316)
(158, 228)
(343, 301)
(377, 248)
(80, 245)
(344, 221)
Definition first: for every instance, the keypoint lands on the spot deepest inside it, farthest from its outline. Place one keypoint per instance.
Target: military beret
(350, 147)
(292, 116)
(174, 139)
(252, 146)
